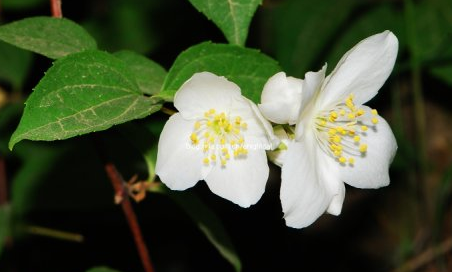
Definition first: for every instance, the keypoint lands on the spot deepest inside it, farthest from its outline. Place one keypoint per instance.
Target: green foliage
(207, 221)
(304, 28)
(365, 25)
(51, 37)
(148, 74)
(82, 93)
(129, 25)
(21, 4)
(18, 64)
(4, 225)
(246, 67)
(233, 17)
(101, 269)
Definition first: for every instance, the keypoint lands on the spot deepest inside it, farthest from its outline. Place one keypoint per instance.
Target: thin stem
(57, 234)
(3, 183)
(55, 7)
(118, 185)
(168, 111)
(426, 257)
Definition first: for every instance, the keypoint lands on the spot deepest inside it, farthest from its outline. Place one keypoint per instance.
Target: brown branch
(3, 183)
(426, 257)
(120, 193)
(55, 7)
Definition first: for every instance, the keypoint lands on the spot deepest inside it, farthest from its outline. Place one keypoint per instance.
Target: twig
(55, 7)
(57, 234)
(3, 184)
(426, 257)
(118, 185)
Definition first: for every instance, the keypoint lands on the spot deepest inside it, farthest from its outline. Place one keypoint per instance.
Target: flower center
(340, 131)
(219, 136)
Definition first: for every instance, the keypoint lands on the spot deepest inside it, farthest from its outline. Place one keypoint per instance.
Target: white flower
(337, 139)
(218, 136)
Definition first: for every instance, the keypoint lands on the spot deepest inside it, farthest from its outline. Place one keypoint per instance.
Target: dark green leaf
(233, 17)
(248, 68)
(82, 93)
(207, 221)
(4, 225)
(21, 4)
(365, 25)
(148, 74)
(14, 64)
(304, 29)
(145, 139)
(51, 37)
(101, 269)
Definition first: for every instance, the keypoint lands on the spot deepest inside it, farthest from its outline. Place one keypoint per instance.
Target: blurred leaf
(51, 37)
(304, 29)
(364, 25)
(21, 4)
(443, 72)
(433, 29)
(148, 74)
(101, 269)
(207, 221)
(233, 17)
(4, 225)
(246, 67)
(14, 64)
(82, 93)
(130, 25)
(145, 139)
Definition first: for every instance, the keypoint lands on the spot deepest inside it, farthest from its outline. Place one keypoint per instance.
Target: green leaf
(101, 269)
(21, 4)
(51, 37)
(304, 29)
(82, 93)
(145, 139)
(148, 74)
(248, 68)
(4, 225)
(207, 221)
(233, 17)
(14, 64)
(364, 25)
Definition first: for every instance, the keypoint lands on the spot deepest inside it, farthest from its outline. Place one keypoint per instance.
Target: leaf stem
(55, 7)
(118, 185)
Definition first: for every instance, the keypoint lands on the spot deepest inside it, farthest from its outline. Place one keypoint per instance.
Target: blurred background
(58, 192)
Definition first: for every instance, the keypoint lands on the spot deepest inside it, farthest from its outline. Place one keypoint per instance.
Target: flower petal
(361, 71)
(335, 206)
(277, 156)
(281, 99)
(309, 182)
(371, 169)
(204, 91)
(311, 84)
(242, 180)
(179, 165)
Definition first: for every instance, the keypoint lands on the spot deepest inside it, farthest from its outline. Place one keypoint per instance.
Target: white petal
(259, 131)
(309, 182)
(371, 169)
(311, 85)
(242, 180)
(335, 206)
(361, 71)
(204, 91)
(179, 166)
(277, 156)
(281, 99)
